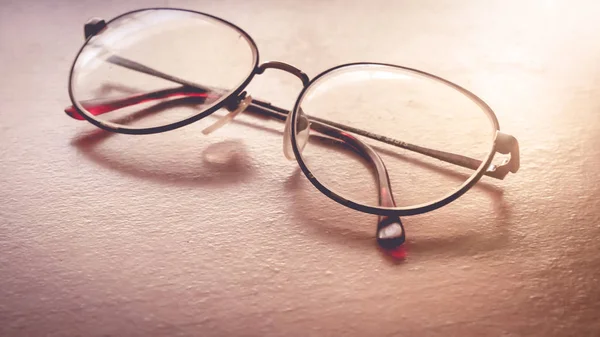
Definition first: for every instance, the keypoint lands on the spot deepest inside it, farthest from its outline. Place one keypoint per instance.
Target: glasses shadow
(227, 162)
(335, 226)
(220, 163)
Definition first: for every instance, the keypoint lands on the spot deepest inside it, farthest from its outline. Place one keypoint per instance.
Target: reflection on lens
(406, 109)
(160, 66)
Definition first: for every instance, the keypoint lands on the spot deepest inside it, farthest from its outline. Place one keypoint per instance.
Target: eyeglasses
(355, 130)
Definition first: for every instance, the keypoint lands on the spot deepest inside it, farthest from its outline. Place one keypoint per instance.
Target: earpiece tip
(397, 253)
(391, 237)
(72, 112)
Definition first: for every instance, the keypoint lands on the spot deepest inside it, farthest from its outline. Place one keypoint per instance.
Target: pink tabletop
(182, 234)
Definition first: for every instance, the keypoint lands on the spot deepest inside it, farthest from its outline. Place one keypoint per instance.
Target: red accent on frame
(397, 252)
(97, 107)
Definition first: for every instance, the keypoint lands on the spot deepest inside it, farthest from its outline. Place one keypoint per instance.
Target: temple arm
(507, 144)
(499, 172)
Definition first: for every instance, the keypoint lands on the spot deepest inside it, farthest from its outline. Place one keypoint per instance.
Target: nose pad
(229, 117)
(302, 134)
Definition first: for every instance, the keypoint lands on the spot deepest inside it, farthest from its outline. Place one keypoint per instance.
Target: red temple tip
(397, 253)
(72, 112)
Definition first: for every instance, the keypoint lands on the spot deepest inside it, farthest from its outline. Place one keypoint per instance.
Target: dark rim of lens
(400, 211)
(178, 124)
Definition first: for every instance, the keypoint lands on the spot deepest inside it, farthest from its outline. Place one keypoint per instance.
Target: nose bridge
(285, 67)
(287, 135)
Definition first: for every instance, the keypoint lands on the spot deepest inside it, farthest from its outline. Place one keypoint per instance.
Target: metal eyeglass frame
(390, 230)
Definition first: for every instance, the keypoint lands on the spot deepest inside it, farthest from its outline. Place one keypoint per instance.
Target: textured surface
(180, 234)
